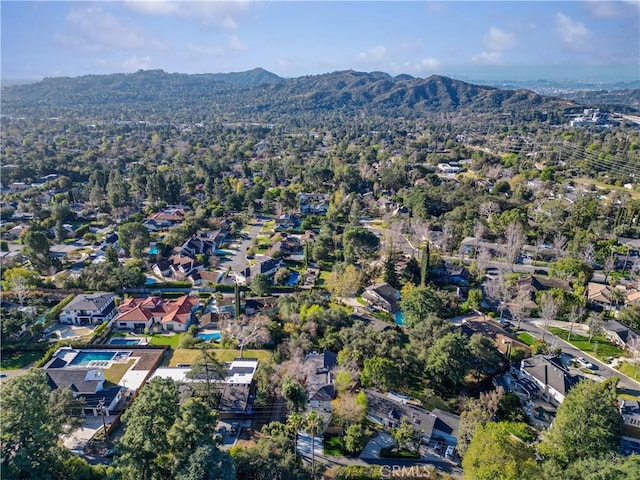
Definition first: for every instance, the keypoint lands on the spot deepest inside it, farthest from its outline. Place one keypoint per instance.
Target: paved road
(370, 457)
(532, 326)
(238, 260)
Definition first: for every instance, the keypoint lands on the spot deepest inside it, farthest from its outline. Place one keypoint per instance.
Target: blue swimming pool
(293, 279)
(208, 336)
(83, 358)
(153, 251)
(149, 281)
(399, 317)
(124, 341)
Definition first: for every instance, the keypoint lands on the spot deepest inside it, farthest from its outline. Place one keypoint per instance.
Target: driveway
(372, 449)
(237, 261)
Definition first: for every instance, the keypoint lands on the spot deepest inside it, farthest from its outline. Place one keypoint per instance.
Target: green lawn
(629, 370)
(599, 346)
(332, 445)
(527, 338)
(171, 340)
(16, 360)
(361, 301)
(324, 279)
(190, 356)
(116, 371)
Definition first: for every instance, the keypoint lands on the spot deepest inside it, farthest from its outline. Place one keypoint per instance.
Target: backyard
(332, 445)
(185, 356)
(19, 359)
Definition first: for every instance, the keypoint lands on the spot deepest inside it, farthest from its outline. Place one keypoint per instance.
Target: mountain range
(260, 94)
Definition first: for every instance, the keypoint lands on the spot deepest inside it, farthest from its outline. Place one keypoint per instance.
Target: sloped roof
(74, 379)
(550, 371)
(325, 393)
(90, 302)
(142, 309)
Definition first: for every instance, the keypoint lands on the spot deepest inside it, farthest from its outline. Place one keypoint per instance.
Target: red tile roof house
(156, 313)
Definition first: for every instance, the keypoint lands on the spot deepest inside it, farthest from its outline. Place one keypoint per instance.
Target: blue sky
(466, 39)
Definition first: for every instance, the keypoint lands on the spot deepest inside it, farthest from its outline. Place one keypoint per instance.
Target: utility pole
(104, 424)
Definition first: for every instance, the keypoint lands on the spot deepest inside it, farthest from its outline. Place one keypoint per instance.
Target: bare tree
(595, 323)
(514, 240)
(482, 261)
(560, 245)
(248, 330)
(549, 306)
(498, 291)
(478, 234)
(588, 254)
(519, 307)
(575, 316)
(608, 266)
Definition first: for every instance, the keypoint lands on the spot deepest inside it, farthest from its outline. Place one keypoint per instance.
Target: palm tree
(313, 423)
(295, 422)
(617, 297)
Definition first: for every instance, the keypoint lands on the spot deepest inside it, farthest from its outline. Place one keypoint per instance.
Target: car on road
(584, 363)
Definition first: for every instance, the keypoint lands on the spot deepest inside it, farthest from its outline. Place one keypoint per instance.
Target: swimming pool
(124, 341)
(399, 317)
(208, 336)
(293, 279)
(83, 358)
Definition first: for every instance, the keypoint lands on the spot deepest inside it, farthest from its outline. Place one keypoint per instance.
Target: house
(313, 203)
(264, 265)
(155, 312)
(503, 339)
(549, 375)
(457, 274)
(375, 323)
(622, 335)
(384, 296)
(236, 392)
(89, 309)
(320, 389)
(177, 266)
(630, 411)
(86, 384)
(202, 277)
(286, 221)
(204, 243)
(449, 168)
(391, 409)
(535, 284)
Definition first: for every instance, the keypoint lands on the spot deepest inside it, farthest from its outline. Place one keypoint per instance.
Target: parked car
(450, 452)
(584, 362)
(234, 428)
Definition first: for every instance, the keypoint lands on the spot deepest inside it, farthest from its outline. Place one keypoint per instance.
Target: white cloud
(573, 34)
(374, 54)
(224, 14)
(602, 9)
(92, 30)
(487, 58)
(429, 64)
(497, 40)
(237, 44)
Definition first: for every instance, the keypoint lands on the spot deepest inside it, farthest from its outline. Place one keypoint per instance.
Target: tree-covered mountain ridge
(259, 91)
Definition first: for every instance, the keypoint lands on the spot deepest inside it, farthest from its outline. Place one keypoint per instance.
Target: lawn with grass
(630, 370)
(527, 338)
(324, 280)
(361, 301)
(599, 346)
(19, 359)
(185, 356)
(116, 371)
(332, 445)
(171, 340)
